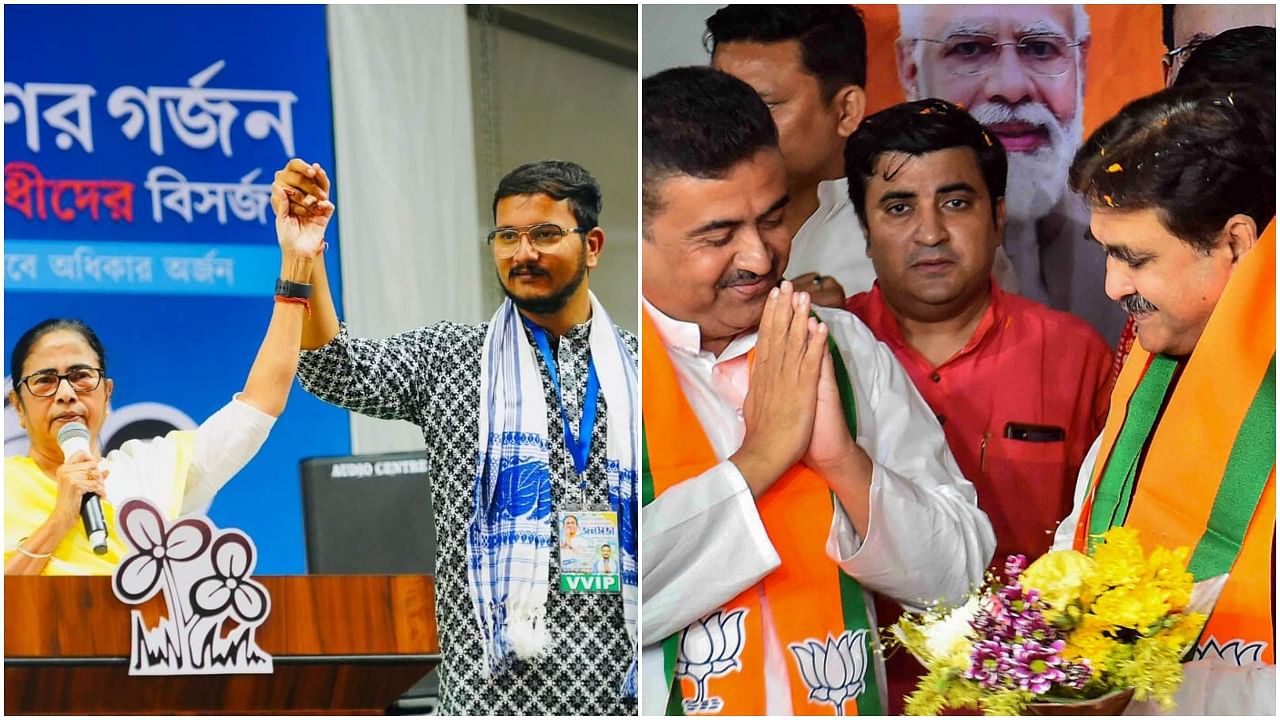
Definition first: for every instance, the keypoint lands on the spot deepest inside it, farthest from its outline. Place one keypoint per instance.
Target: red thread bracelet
(296, 301)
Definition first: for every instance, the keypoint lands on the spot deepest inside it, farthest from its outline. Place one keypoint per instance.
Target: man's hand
(823, 289)
(306, 185)
(830, 441)
(835, 455)
(783, 392)
(299, 235)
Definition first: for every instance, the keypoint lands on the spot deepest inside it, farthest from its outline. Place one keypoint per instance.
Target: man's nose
(525, 251)
(1119, 282)
(1007, 79)
(753, 253)
(932, 230)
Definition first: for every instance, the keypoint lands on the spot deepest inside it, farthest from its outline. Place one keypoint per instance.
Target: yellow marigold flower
(1167, 571)
(1186, 628)
(1089, 640)
(1117, 561)
(1135, 607)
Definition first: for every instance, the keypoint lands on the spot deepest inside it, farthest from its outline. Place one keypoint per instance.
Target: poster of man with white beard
(1020, 70)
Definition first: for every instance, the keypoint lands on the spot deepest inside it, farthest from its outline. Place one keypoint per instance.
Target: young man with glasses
(528, 419)
(1020, 71)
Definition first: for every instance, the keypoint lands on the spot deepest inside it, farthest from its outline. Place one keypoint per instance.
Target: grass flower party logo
(1088, 631)
(204, 575)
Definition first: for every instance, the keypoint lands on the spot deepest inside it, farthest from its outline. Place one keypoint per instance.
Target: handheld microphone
(72, 438)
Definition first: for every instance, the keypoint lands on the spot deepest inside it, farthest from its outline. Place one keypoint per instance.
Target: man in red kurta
(1020, 389)
(1027, 371)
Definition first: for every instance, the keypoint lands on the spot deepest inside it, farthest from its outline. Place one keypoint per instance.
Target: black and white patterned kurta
(431, 377)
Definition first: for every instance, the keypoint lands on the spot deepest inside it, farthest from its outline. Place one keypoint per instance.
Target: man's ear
(908, 69)
(1241, 235)
(595, 245)
(851, 103)
(1084, 61)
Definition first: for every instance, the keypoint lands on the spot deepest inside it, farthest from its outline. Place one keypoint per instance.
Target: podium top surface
(311, 615)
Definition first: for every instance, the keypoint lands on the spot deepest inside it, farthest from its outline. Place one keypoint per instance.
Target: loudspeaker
(369, 514)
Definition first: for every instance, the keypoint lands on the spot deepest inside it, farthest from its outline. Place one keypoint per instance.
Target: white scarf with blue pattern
(509, 538)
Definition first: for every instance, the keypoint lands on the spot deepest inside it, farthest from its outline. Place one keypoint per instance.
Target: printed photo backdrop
(140, 145)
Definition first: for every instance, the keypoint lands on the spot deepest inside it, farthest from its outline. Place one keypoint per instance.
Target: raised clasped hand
(300, 199)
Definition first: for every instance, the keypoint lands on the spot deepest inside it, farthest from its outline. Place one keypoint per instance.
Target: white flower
(951, 636)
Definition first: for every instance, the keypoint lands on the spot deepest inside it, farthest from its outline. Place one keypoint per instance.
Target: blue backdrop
(140, 145)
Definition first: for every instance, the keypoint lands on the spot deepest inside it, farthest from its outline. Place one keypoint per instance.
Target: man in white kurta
(715, 246)
(928, 540)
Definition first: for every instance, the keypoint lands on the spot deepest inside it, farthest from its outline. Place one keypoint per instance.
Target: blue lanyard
(578, 446)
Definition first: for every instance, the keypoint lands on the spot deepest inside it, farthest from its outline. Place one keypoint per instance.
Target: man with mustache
(809, 65)
(790, 468)
(1181, 186)
(1020, 71)
(1020, 389)
(527, 418)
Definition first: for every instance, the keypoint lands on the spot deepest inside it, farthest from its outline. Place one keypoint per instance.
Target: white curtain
(405, 180)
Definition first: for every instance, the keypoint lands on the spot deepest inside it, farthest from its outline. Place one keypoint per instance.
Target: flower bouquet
(1073, 633)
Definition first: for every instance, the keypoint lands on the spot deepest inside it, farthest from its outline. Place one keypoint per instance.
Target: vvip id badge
(589, 555)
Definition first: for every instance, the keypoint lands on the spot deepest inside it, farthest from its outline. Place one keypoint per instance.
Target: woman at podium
(61, 379)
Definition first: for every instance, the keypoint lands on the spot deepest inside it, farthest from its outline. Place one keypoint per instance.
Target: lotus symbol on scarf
(709, 648)
(834, 672)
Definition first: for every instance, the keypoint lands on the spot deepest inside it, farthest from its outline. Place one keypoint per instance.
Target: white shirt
(224, 444)
(831, 243)
(926, 539)
(1210, 686)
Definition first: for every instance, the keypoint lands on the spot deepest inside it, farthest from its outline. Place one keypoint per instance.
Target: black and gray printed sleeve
(387, 378)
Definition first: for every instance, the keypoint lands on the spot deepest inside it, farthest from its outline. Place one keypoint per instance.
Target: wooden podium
(340, 644)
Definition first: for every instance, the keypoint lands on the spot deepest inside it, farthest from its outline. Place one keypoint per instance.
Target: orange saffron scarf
(1208, 478)
(716, 665)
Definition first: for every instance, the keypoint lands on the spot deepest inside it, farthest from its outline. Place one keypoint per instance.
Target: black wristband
(284, 288)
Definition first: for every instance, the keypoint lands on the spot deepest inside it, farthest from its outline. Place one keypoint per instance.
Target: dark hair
(918, 128)
(833, 38)
(1238, 55)
(29, 338)
(1197, 154)
(559, 180)
(698, 122)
